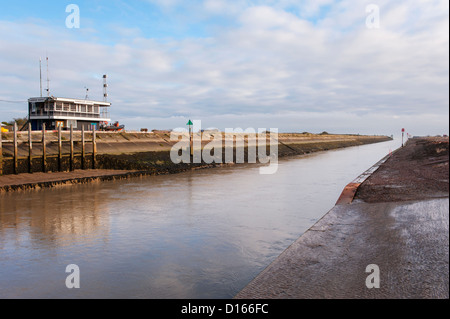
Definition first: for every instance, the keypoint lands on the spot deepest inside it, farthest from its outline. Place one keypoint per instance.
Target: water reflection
(57, 218)
(201, 234)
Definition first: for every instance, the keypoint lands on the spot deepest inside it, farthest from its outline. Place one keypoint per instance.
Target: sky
(364, 67)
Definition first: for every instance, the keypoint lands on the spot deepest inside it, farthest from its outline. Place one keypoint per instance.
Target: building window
(39, 107)
(72, 122)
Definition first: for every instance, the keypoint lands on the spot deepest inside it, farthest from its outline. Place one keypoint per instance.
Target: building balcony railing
(70, 114)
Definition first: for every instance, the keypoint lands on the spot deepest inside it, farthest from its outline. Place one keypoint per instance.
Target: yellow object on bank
(4, 130)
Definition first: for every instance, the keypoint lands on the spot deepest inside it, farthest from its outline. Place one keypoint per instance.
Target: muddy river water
(200, 234)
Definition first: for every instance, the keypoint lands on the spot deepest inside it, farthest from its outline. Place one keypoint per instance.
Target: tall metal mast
(48, 81)
(40, 74)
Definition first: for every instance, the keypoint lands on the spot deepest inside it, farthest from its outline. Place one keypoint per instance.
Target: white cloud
(272, 65)
(222, 7)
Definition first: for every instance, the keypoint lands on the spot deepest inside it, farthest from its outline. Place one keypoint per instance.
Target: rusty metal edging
(349, 192)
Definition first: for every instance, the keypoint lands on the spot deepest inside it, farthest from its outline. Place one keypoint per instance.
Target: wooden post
(44, 149)
(94, 148)
(191, 138)
(72, 166)
(59, 149)
(83, 147)
(191, 142)
(30, 150)
(403, 133)
(15, 150)
(1, 155)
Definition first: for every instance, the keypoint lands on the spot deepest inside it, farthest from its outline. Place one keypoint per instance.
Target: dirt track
(420, 170)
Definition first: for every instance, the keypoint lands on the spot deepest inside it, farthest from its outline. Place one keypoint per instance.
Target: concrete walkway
(408, 241)
(399, 221)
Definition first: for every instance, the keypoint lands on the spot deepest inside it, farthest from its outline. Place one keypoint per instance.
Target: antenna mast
(40, 74)
(48, 81)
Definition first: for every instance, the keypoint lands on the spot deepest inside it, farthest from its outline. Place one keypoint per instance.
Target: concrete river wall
(149, 152)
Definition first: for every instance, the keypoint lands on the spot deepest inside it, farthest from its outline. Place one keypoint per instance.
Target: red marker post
(403, 133)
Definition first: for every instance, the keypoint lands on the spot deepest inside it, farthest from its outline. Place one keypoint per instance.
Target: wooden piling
(1, 155)
(59, 149)
(72, 166)
(94, 149)
(16, 159)
(83, 148)
(30, 150)
(44, 149)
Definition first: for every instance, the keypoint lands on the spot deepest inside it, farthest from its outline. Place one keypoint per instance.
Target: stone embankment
(123, 155)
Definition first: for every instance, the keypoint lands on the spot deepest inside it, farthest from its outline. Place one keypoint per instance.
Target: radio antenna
(40, 74)
(48, 81)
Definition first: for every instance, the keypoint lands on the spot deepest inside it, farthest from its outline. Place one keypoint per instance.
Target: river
(199, 234)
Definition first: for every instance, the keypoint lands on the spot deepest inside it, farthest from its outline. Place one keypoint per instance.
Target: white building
(64, 112)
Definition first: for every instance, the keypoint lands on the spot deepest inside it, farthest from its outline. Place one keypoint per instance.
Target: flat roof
(63, 99)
